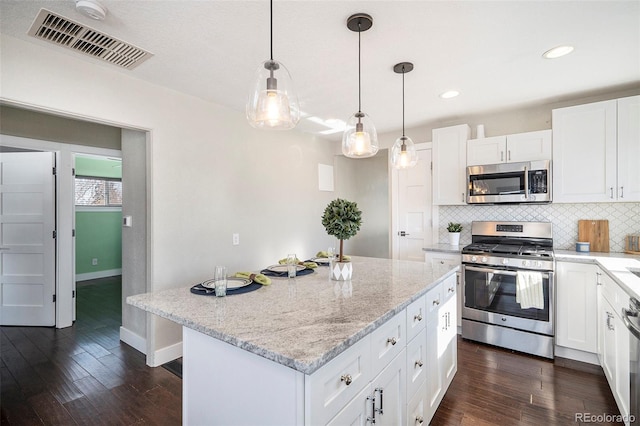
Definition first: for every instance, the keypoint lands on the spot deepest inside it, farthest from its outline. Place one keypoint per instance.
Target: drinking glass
(292, 265)
(331, 253)
(220, 280)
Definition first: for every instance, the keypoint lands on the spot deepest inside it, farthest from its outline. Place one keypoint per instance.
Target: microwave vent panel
(83, 39)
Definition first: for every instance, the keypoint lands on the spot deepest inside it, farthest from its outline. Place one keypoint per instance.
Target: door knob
(402, 233)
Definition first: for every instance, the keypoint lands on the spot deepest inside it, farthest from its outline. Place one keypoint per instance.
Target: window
(98, 192)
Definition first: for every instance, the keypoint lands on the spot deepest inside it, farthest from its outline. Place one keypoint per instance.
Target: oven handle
(526, 183)
(500, 271)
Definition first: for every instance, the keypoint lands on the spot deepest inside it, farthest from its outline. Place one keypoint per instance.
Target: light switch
(127, 221)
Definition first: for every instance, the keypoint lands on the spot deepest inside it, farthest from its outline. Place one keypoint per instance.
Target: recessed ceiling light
(557, 52)
(92, 9)
(449, 94)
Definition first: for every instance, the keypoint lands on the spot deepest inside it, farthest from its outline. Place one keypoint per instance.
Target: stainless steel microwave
(524, 182)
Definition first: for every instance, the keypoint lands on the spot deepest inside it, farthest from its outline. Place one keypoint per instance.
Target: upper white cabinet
(449, 165)
(528, 146)
(596, 152)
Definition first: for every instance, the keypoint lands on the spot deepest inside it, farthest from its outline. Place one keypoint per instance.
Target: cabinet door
(416, 318)
(529, 146)
(607, 328)
(389, 391)
(355, 413)
(629, 149)
(417, 408)
(576, 306)
(584, 153)
(434, 378)
(449, 165)
(416, 363)
(623, 390)
(448, 364)
(387, 341)
(486, 151)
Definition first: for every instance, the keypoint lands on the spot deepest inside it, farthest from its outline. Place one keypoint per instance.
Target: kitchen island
(311, 350)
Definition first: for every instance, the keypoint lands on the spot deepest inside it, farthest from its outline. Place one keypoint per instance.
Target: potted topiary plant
(341, 219)
(454, 233)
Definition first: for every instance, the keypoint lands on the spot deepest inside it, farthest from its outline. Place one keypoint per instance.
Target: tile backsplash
(624, 219)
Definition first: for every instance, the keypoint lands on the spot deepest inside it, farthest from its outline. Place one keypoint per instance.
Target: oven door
(491, 295)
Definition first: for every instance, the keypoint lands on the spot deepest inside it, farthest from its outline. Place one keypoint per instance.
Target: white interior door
(27, 243)
(414, 209)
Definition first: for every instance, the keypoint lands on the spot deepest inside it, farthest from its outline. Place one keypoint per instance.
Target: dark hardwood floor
(84, 375)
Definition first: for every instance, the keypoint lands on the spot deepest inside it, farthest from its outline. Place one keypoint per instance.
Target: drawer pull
(419, 420)
(418, 363)
(346, 378)
(392, 340)
(436, 302)
(451, 290)
(417, 317)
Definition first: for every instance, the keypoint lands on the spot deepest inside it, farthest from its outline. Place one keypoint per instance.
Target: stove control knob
(505, 261)
(525, 263)
(484, 259)
(474, 259)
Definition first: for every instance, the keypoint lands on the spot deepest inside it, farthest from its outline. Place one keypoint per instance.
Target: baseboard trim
(134, 340)
(98, 274)
(164, 355)
(576, 355)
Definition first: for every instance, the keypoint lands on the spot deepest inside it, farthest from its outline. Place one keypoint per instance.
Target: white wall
(211, 173)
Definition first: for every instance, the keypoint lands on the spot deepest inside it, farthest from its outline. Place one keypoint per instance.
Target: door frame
(393, 193)
(64, 221)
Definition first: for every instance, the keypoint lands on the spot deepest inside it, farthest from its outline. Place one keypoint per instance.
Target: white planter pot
(454, 238)
(341, 271)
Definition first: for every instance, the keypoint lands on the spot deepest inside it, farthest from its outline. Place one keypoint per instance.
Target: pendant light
(403, 153)
(273, 104)
(359, 139)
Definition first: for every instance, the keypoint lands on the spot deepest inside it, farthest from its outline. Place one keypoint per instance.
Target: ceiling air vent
(73, 35)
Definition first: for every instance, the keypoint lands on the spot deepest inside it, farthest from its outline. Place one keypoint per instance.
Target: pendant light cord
(271, 27)
(403, 101)
(359, 83)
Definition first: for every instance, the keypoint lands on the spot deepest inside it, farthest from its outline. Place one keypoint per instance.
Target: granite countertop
(616, 265)
(304, 322)
(444, 248)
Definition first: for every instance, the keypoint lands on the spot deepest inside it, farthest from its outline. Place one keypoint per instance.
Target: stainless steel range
(508, 282)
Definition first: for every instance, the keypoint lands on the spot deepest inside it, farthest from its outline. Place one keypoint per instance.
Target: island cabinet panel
(416, 363)
(222, 381)
(387, 341)
(416, 318)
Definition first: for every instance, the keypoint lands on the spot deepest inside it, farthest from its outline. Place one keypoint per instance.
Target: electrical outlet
(236, 239)
(94, 261)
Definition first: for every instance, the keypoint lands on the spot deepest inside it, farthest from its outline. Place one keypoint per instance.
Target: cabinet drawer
(416, 318)
(449, 288)
(331, 387)
(388, 341)
(434, 299)
(417, 408)
(416, 363)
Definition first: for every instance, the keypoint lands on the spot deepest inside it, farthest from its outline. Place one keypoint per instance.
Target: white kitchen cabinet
(529, 146)
(596, 152)
(577, 296)
(447, 261)
(614, 341)
(449, 164)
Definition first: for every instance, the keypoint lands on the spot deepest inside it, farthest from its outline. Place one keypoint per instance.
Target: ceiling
(490, 51)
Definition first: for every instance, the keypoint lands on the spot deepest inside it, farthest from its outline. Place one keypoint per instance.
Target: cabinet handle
(501, 155)
(417, 317)
(346, 378)
(372, 419)
(463, 197)
(609, 317)
(436, 302)
(419, 420)
(611, 192)
(442, 262)
(509, 155)
(392, 340)
(380, 410)
(622, 192)
(418, 363)
(452, 289)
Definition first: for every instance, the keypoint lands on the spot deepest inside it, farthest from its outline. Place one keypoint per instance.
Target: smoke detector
(92, 9)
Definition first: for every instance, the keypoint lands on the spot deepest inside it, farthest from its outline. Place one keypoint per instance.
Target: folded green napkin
(258, 278)
(325, 254)
(310, 265)
(284, 261)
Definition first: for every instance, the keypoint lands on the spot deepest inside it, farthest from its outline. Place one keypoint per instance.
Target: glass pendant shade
(403, 153)
(273, 104)
(360, 139)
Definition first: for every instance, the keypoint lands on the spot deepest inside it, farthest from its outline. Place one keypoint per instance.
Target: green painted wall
(99, 236)
(98, 231)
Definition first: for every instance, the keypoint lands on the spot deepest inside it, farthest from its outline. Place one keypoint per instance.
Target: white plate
(278, 269)
(323, 260)
(232, 283)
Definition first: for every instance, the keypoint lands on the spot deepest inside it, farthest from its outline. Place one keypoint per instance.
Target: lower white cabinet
(577, 296)
(614, 341)
(446, 260)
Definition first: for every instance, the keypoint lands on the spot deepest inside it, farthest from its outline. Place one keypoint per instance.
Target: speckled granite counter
(444, 248)
(305, 322)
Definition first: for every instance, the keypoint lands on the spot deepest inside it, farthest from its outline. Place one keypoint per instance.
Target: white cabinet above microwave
(530, 146)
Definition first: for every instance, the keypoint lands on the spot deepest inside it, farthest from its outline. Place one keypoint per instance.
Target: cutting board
(596, 232)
